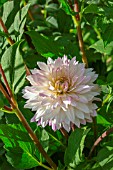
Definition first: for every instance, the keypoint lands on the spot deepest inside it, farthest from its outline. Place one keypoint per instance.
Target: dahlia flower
(62, 93)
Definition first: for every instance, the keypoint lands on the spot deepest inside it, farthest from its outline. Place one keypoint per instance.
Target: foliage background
(50, 32)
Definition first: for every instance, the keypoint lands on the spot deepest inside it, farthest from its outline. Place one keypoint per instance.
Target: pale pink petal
(43, 66)
(62, 93)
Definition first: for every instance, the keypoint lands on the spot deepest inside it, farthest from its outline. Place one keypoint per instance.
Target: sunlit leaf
(17, 142)
(101, 120)
(66, 7)
(92, 8)
(13, 65)
(73, 155)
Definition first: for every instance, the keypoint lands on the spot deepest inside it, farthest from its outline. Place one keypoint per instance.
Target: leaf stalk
(105, 134)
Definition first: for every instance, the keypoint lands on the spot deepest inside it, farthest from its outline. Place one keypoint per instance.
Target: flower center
(61, 86)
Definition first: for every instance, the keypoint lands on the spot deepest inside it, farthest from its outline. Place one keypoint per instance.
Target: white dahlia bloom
(62, 93)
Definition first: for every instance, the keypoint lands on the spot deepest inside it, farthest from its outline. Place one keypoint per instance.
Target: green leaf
(65, 6)
(101, 120)
(20, 19)
(60, 166)
(3, 34)
(17, 142)
(15, 17)
(2, 2)
(109, 103)
(106, 89)
(12, 118)
(52, 21)
(13, 66)
(51, 7)
(98, 46)
(73, 154)
(110, 77)
(101, 48)
(50, 141)
(45, 139)
(45, 45)
(1, 103)
(8, 6)
(92, 8)
(105, 156)
(8, 17)
(64, 19)
(108, 48)
(107, 35)
(6, 165)
(1, 114)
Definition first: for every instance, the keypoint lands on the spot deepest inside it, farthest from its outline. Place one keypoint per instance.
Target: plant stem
(29, 12)
(73, 127)
(65, 134)
(5, 81)
(7, 108)
(44, 166)
(27, 70)
(11, 42)
(106, 133)
(70, 3)
(76, 20)
(25, 124)
(34, 138)
(56, 139)
(5, 93)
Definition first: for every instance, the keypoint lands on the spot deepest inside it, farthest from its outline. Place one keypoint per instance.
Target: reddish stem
(76, 9)
(5, 93)
(6, 82)
(7, 108)
(106, 133)
(29, 12)
(6, 31)
(27, 71)
(10, 40)
(34, 138)
(70, 3)
(28, 128)
(73, 127)
(65, 134)
(79, 33)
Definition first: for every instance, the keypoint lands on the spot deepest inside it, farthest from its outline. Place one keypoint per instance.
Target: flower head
(62, 93)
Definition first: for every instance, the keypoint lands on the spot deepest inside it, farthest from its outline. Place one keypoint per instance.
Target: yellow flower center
(61, 86)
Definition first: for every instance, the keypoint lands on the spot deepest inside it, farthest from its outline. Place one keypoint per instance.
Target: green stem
(97, 32)
(44, 166)
(56, 139)
(7, 110)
